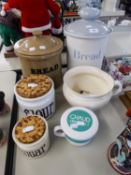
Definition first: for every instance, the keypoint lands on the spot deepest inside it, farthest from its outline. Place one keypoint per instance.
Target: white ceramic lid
(79, 123)
(89, 26)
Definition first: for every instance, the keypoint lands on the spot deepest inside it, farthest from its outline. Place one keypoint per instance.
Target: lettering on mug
(36, 152)
(45, 70)
(45, 112)
(81, 56)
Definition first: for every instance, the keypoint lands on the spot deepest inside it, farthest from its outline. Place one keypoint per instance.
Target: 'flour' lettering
(45, 112)
(36, 152)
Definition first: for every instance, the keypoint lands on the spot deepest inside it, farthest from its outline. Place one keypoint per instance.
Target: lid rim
(22, 54)
(87, 28)
(52, 45)
(102, 35)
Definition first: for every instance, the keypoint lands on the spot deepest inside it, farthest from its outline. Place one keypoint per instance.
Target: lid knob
(37, 33)
(89, 13)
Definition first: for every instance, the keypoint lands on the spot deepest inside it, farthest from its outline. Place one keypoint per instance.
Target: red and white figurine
(36, 15)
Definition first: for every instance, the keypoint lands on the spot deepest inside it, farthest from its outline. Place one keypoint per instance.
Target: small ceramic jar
(78, 125)
(31, 135)
(4, 107)
(35, 94)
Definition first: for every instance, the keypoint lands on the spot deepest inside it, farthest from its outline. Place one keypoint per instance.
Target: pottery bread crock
(31, 135)
(35, 94)
(86, 39)
(41, 55)
(89, 87)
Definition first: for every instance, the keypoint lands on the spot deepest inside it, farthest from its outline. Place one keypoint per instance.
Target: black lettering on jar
(45, 70)
(36, 152)
(27, 112)
(44, 112)
(39, 112)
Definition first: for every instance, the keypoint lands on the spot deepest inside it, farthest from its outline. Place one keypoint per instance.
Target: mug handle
(117, 88)
(58, 131)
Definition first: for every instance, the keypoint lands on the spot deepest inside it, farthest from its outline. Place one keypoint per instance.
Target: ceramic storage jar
(41, 54)
(86, 39)
(31, 135)
(35, 94)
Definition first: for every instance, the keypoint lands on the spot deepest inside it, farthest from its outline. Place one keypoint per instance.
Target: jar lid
(88, 26)
(79, 123)
(33, 86)
(38, 45)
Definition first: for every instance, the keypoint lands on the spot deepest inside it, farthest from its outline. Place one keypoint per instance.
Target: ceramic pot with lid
(86, 39)
(41, 54)
(35, 94)
(31, 135)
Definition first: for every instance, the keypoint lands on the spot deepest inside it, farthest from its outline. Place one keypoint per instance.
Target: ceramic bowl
(89, 86)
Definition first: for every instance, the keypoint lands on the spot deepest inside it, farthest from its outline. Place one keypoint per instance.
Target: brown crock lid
(38, 45)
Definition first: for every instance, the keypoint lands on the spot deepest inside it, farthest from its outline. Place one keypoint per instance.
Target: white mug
(78, 125)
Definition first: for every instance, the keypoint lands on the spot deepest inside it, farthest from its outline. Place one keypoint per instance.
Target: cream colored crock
(41, 54)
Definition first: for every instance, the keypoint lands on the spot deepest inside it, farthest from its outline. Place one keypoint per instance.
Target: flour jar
(86, 39)
(31, 135)
(41, 54)
(35, 95)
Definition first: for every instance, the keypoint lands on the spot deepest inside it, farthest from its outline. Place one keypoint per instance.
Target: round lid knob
(89, 13)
